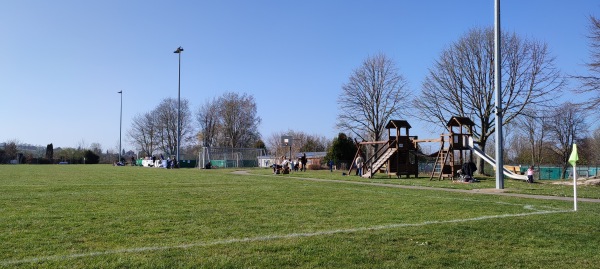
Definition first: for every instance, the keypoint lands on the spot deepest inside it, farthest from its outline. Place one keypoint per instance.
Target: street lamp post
(498, 97)
(120, 125)
(178, 51)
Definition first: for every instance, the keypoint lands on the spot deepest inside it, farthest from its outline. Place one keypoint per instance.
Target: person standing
(530, 174)
(359, 165)
(285, 166)
(277, 167)
(297, 165)
(303, 162)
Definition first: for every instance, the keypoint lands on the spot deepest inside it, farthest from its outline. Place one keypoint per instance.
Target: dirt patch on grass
(491, 190)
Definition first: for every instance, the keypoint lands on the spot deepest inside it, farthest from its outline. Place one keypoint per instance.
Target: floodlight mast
(178, 51)
(498, 86)
(120, 125)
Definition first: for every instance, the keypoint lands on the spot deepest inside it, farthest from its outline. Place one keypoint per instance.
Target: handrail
(369, 162)
(373, 142)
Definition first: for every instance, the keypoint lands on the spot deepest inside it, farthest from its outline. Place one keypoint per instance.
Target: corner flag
(574, 157)
(573, 161)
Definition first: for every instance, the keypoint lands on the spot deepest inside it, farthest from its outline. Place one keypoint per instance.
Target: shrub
(314, 167)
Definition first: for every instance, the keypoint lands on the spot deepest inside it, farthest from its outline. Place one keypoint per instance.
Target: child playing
(530, 174)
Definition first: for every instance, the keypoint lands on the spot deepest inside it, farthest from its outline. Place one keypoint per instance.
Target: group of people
(285, 165)
(467, 170)
(160, 162)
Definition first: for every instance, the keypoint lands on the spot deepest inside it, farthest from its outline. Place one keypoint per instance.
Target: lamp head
(178, 50)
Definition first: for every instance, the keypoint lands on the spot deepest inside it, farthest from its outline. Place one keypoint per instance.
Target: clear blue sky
(63, 62)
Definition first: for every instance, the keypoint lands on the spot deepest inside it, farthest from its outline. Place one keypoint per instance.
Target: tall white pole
(179, 107)
(498, 86)
(573, 160)
(575, 187)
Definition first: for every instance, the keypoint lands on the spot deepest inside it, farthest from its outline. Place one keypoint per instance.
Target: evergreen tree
(49, 151)
(91, 157)
(342, 149)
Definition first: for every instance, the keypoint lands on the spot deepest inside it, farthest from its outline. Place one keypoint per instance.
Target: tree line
(230, 120)
(540, 128)
(459, 83)
(13, 151)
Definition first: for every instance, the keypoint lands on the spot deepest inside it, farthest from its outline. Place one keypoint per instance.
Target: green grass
(540, 187)
(98, 216)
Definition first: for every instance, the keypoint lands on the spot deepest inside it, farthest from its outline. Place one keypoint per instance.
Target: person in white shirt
(359, 165)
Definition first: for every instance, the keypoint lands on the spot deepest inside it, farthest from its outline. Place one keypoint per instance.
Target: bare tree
(166, 121)
(595, 145)
(588, 148)
(143, 133)
(591, 82)
(373, 95)
(277, 148)
(12, 148)
(535, 124)
(208, 120)
(314, 143)
(96, 148)
(239, 120)
(157, 129)
(518, 149)
(302, 142)
(229, 121)
(567, 125)
(461, 82)
(273, 143)
(82, 145)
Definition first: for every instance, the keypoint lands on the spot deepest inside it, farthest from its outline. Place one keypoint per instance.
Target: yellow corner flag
(574, 157)
(573, 160)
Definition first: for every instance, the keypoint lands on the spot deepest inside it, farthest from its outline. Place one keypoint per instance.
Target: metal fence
(555, 173)
(544, 172)
(230, 157)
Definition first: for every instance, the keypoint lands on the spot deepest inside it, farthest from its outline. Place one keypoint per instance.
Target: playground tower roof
(398, 124)
(460, 121)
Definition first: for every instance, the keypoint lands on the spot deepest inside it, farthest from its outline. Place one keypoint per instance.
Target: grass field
(97, 216)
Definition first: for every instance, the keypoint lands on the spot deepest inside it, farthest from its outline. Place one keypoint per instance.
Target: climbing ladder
(379, 162)
(444, 155)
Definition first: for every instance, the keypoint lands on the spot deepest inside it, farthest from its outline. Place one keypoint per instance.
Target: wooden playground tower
(397, 154)
(454, 149)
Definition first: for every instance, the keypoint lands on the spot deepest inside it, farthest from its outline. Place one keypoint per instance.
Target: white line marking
(525, 206)
(266, 238)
